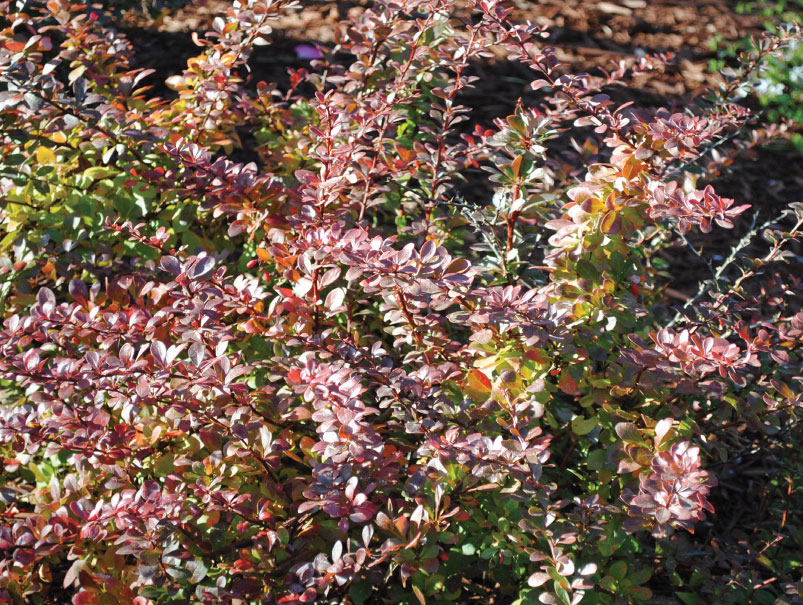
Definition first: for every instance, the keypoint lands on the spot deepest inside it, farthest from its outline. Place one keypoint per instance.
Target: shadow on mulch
(168, 52)
(768, 179)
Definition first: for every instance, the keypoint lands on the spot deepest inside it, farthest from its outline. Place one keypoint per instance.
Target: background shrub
(778, 84)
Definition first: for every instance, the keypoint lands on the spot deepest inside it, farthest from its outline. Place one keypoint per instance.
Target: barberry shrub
(358, 368)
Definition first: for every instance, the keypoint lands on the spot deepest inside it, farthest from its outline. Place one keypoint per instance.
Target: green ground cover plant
(778, 84)
(342, 373)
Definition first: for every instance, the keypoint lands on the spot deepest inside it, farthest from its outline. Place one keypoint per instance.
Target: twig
(740, 245)
(698, 254)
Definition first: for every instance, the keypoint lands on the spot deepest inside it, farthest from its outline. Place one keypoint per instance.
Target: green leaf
(97, 173)
(586, 270)
(361, 591)
(765, 560)
(628, 432)
(152, 592)
(130, 207)
(596, 460)
(583, 426)
(527, 596)
(641, 593)
(164, 465)
(562, 594)
(618, 570)
(641, 576)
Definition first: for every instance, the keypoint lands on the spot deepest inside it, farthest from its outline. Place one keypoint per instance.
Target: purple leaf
(307, 52)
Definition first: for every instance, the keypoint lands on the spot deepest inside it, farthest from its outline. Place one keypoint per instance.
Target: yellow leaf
(45, 155)
(487, 363)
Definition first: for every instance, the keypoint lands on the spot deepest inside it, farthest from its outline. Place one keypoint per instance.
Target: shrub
(340, 372)
(778, 84)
